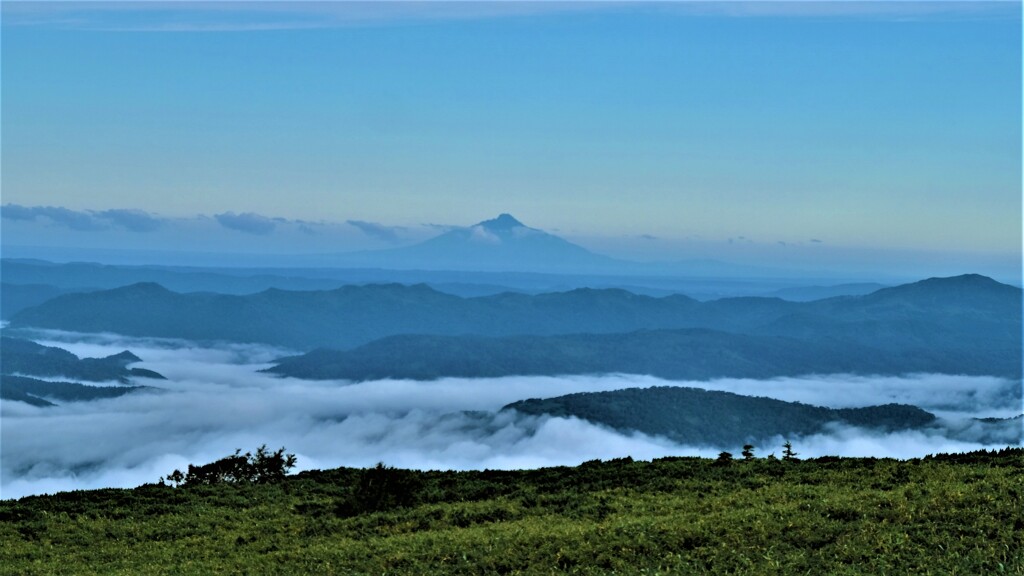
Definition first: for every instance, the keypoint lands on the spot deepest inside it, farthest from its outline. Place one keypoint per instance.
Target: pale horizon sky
(653, 131)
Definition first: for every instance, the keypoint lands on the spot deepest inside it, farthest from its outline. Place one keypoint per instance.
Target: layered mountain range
(967, 324)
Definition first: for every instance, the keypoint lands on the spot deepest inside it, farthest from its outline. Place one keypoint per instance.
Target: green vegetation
(949, 514)
(261, 468)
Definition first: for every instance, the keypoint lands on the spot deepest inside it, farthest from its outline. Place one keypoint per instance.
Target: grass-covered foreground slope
(944, 515)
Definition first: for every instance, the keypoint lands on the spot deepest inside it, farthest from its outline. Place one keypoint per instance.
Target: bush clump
(264, 467)
(382, 488)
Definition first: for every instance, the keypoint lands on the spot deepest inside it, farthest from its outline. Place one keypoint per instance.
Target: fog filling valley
(215, 400)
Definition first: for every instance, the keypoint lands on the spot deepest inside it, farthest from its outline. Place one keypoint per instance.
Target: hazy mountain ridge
(347, 316)
(965, 324)
(811, 293)
(30, 282)
(686, 354)
(17, 297)
(718, 419)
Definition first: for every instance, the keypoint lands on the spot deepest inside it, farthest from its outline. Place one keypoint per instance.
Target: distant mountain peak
(504, 221)
(975, 281)
(125, 357)
(949, 290)
(144, 288)
(502, 243)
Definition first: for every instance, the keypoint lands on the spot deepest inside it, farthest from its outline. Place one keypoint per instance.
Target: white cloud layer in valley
(215, 400)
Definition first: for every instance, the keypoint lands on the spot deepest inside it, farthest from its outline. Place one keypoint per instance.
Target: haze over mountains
(506, 245)
(491, 257)
(28, 283)
(968, 324)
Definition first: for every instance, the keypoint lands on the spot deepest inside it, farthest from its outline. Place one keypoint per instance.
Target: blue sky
(648, 130)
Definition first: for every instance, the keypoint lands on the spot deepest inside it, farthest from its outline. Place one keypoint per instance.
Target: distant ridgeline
(966, 325)
(23, 359)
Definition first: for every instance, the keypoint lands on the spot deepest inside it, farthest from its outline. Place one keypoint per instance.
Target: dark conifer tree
(787, 452)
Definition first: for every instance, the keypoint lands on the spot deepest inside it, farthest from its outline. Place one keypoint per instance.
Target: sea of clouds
(216, 400)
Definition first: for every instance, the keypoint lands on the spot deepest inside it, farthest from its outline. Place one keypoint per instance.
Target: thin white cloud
(875, 9)
(84, 220)
(134, 220)
(390, 234)
(247, 222)
(249, 16)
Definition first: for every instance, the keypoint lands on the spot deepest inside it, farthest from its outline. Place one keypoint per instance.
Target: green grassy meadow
(949, 514)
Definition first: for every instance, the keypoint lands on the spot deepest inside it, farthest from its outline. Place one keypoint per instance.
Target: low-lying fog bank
(215, 401)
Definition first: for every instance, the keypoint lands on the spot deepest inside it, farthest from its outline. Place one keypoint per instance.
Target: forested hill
(27, 358)
(25, 364)
(721, 420)
(969, 313)
(44, 393)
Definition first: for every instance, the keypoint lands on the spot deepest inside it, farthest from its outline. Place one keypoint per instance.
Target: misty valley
(145, 379)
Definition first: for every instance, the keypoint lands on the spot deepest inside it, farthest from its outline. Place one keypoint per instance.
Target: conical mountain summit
(502, 243)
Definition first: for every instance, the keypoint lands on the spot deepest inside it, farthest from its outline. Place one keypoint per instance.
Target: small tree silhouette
(724, 459)
(268, 467)
(787, 453)
(176, 477)
(263, 468)
(748, 452)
